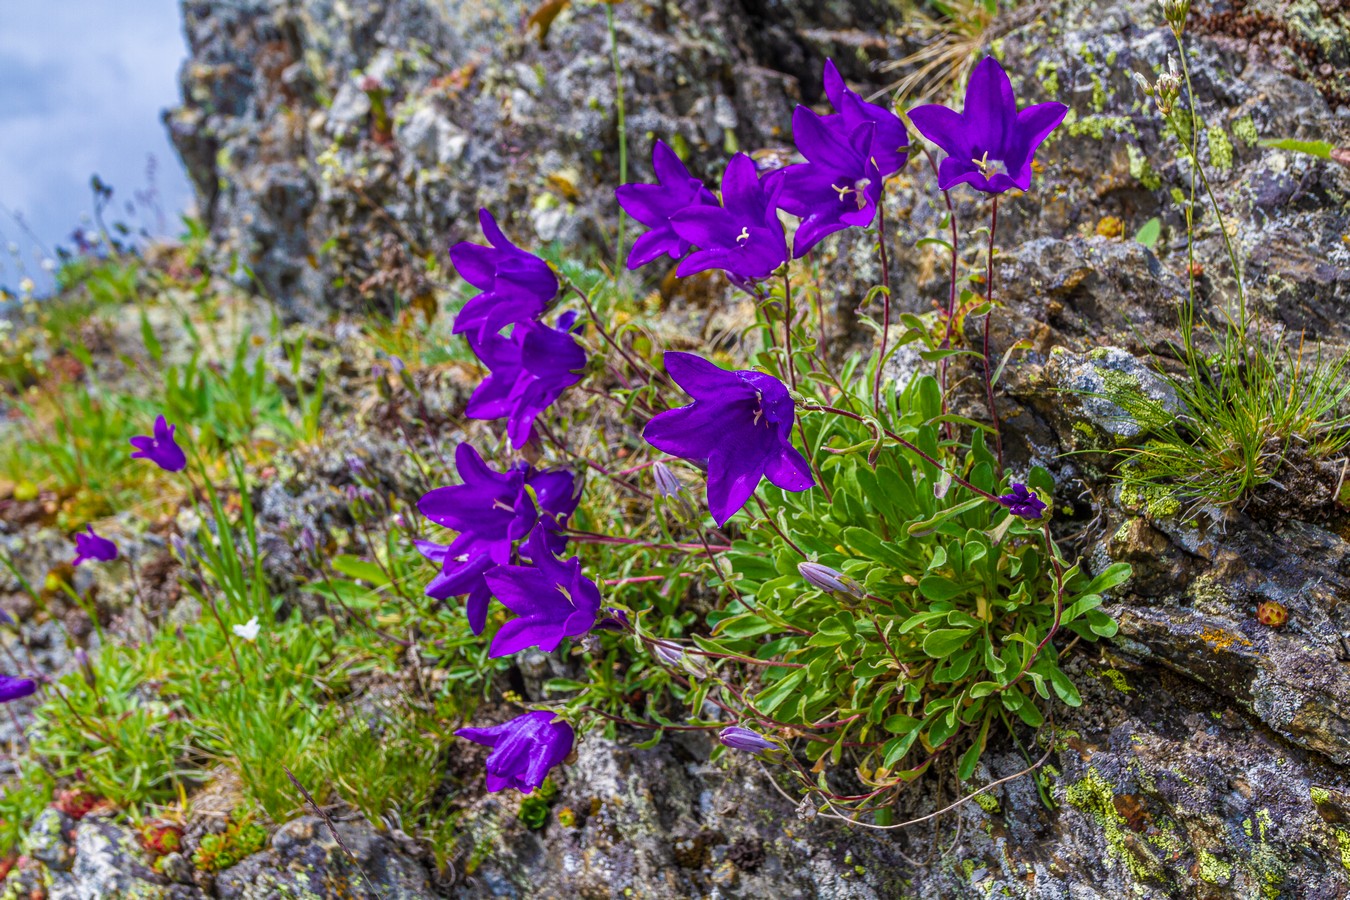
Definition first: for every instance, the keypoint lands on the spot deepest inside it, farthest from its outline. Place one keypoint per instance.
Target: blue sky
(82, 84)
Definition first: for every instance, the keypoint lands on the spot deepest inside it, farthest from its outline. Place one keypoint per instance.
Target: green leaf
(564, 684)
(1150, 232)
(928, 526)
(1319, 149)
(1064, 687)
(939, 587)
(360, 569)
(897, 747)
(773, 697)
(899, 724)
(944, 642)
(1111, 576)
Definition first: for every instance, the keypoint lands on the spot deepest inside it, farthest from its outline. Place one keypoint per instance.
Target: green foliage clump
(242, 837)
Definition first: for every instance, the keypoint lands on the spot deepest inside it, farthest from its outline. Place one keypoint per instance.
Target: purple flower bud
(667, 484)
(614, 620)
(832, 581)
(92, 546)
(86, 669)
(669, 654)
(356, 465)
(307, 541)
(738, 738)
(12, 688)
(180, 547)
(397, 365)
(352, 493)
(1022, 502)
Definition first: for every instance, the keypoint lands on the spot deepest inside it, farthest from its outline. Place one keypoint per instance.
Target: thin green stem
(619, 256)
(988, 368)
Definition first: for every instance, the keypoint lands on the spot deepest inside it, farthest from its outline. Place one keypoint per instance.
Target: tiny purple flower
(740, 425)
(516, 286)
(990, 145)
(12, 688)
(530, 370)
(551, 598)
(742, 236)
(1022, 502)
(654, 204)
(161, 449)
(523, 749)
(92, 546)
(738, 738)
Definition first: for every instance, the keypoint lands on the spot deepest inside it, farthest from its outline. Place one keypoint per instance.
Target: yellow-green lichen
(987, 802)
(1141, 170)
(1244, 129)
(1157, 500)
(1117, 679)
(1212, 869)
(1093, 795)
(1220, 149)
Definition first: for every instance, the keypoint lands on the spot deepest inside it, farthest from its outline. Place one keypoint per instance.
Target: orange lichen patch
(1218, 639)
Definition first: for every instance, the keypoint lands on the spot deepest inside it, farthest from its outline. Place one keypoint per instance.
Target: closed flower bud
(1145, 86)
(86, 669)
(1175, 12)
(671, 488)
(738, 738)
(668, 654)
(832, 581)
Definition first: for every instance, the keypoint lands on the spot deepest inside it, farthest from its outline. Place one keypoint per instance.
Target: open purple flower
(551, 599)
(838, 187)
(654, 204)
(490, 510)
(516, 286)
(889, 146)
(990, 145)
(530, 370)
(740, 424)
(92, 546)
(738, 738)
(742, 236)
(523, 749)
(12, 688)
(161, 449)
(462, 571)
(1023, 502)
(557, 493)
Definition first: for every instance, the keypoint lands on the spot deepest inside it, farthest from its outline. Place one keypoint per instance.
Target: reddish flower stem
(886, 302)
(988, 368)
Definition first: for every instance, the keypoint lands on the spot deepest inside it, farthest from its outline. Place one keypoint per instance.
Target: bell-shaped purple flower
(461, 573)
(1022, 502)
(551, 599)
(743, 236)
(557, 492)
(654, 204)
(516, 286)
(989, 144)
(161, 448)
(93, 546)
(838, 187)
(740, 425)
(12, 688)
(523, 749)
(530, 370)
(888, 149)
(490, 510)
(738, 738)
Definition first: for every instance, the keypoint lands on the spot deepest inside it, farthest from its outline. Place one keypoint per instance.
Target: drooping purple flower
(93, 546)
(161, 448)
(516, 286)
(889, 147)
(740, 424)
(12, 688)
(551, 599)
(530, 370)
(557, 493)
(738, 738)
(523, 749)
(1023, 502)
(742, 236)
(490, 510)
(989, 144)
(654, 204)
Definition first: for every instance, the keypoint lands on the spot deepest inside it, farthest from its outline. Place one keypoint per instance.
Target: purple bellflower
(740, 424)
(490, 510)
(889, 148)
(654, 204)
(1022, 502)
(92, 546)
(530, 370)
(743, 236)
(461, 573)
(989, 145)
(516, 286)
(523, 749)
(12, 688)
(841, 183)
(161, 448)
(551, 599)
(738, 738)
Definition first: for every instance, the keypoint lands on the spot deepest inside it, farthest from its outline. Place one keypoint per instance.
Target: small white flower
(249, 631)
(27, 286)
